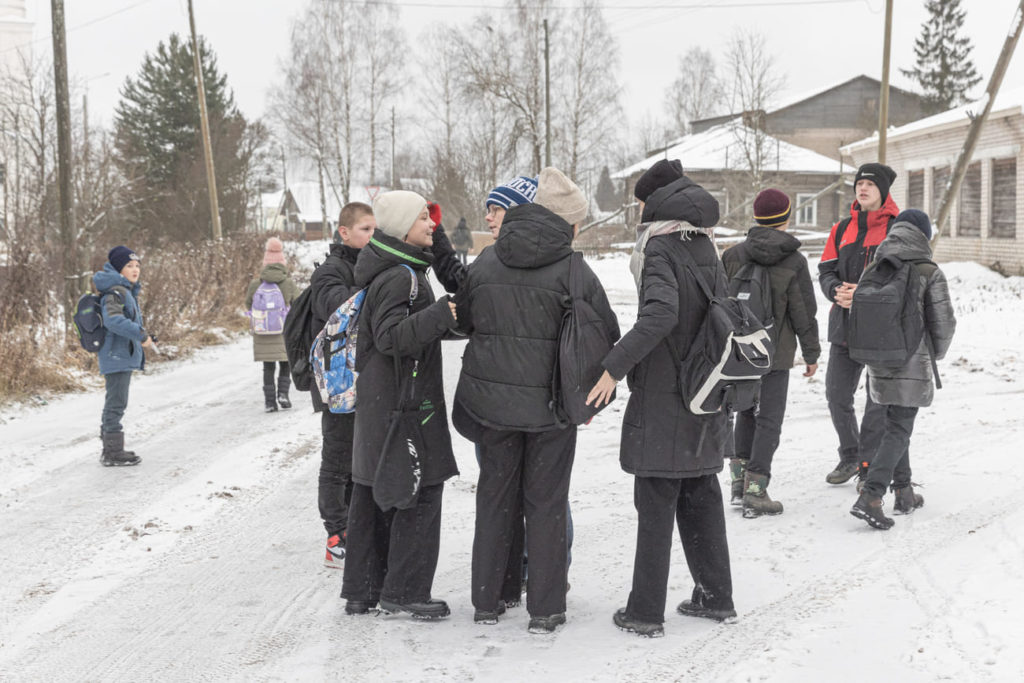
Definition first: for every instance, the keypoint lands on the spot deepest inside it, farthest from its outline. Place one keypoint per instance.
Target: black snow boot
(907, 500)
(430, 609)
(869, 508)
(268, 397)
(755, 497)
(737, 468)
(114, 454)
(642, 628)
(283, 384)
(548, 624)
(481, 616)
(696, 607)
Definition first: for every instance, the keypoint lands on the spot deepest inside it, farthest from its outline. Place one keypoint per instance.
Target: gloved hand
(434, 209)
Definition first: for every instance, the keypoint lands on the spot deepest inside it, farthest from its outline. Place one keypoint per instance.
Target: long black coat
(512, 304)
(793, 303)
(332, 284)
(385, 330)
(660, 437)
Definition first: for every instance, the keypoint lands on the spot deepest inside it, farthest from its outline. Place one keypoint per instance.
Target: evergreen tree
(607, 198)
(160, 149)
(943, 69)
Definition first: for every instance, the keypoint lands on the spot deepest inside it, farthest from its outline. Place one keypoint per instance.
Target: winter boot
(696, 608)
(114, 454)
(906, 499)
(755, 497)
(642, 628)
(542, 625)
(356, 607)
(283, 383)
(843, 472)
(428, 610)
(736, 469)
(869, 508)
(487, 617)
(268, 397)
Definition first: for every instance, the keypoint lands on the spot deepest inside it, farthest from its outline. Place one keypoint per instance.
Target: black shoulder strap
(414, 289)
(698, 276)
(840, 231)
(576, 275)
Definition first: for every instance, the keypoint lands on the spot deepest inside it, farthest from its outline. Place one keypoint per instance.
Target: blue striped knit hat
(521, 190)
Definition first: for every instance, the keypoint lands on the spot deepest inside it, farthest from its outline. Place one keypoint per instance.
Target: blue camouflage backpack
(333, 354)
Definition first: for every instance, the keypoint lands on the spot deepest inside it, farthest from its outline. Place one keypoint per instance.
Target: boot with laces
(869, 508)
(906, 499)
(756, 501)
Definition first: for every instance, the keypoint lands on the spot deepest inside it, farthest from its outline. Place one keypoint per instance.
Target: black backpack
(583, 342)
(753, 286)
(88, 321)
(886, 323)
(298, 338)
(730, 354)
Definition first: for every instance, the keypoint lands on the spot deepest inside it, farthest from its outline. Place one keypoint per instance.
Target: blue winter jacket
(122, 346)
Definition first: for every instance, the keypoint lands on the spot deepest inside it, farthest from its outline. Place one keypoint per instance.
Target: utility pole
(883, 99)
(204, 123)
(974, 132)
(69, 250)
(392, 147)
(547, 97)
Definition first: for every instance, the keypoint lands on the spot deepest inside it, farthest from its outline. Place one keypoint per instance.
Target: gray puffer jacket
(913, 385)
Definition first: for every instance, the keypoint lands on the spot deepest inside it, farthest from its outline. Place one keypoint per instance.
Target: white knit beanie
(396, 211)
(561, 196)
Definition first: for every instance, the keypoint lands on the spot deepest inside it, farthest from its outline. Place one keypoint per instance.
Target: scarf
(645, 231)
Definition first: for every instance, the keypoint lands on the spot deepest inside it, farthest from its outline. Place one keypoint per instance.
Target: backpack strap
(414, 290)
(692, 266)
(929, 344)
(840, 231)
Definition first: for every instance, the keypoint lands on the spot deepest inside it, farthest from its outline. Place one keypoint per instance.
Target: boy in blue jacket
(122, 350)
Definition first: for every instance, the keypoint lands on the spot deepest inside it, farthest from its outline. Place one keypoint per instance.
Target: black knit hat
(772, 208)
(917, 218)
(120, 256)
(659, 175)
(880, 174)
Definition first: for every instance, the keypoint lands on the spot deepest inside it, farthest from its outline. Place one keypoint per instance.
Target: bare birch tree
(382, 54)
(697, 91)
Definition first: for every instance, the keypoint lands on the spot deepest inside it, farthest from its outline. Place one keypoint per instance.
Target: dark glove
(434, 209)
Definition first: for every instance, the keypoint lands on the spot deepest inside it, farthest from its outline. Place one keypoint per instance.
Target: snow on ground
(204, 563)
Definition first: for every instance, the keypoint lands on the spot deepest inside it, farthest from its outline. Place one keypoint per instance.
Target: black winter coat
(793, 303)
(512, 304)
(387, 327)
(332, 284)
(913, 385)
(660, 436)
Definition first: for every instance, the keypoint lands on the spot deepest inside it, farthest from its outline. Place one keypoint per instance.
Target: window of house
(969, 222)
(1004, 198)
(940, 176)
(915, 190)
(809, 214)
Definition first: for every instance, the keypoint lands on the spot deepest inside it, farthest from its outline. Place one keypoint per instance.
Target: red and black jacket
(850, 248)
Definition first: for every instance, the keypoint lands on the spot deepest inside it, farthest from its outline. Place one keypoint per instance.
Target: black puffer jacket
(912, 385)
(385, 330)
(512, 304)
(332, 284)
(660, 437)
(793, 303)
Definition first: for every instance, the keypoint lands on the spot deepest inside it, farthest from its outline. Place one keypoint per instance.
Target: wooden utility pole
(204, 123)
(883, 98)
(69, 256)
(974, 132)
(393, 186)
(547, 97)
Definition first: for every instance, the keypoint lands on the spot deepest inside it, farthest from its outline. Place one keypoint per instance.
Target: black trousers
(523, 474)
(116, 401)
(283, 376)
(392, 555)
(841, 379)
(757, 431)
(335, 486)
(695, 504)
(892, 460)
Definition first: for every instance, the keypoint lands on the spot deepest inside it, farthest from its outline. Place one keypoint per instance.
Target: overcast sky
(817, 43)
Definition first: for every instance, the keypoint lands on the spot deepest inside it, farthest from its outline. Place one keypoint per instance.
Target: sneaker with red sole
(335, 557)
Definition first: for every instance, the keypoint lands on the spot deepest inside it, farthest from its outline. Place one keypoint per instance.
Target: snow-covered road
(204, 563)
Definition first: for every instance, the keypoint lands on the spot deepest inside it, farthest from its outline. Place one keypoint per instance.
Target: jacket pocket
(634, 415)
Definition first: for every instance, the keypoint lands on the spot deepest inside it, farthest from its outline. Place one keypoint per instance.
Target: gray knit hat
(561, 196)
(396, 211)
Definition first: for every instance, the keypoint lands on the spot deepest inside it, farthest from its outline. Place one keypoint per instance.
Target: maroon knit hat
(772, 208)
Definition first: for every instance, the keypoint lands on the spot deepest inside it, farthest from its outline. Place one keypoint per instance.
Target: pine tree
(607, 198)
(943, 69)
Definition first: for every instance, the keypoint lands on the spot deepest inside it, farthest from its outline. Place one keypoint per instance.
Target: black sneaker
(547, 624)
(355, 607)
(869, 508)
(843, 472)
(689, 608)
(641, 628)
(428, 610)
(484, 617)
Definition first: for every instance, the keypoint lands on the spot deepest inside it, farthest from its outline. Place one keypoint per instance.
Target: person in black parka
(793, 309)
(332, 284)
(462, 240)
(512, 305)
(392, 554)
(674, 455)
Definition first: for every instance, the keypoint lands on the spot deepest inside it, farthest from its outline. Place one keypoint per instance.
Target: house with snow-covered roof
(298, 208)
(718, 159)
(987, 213)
